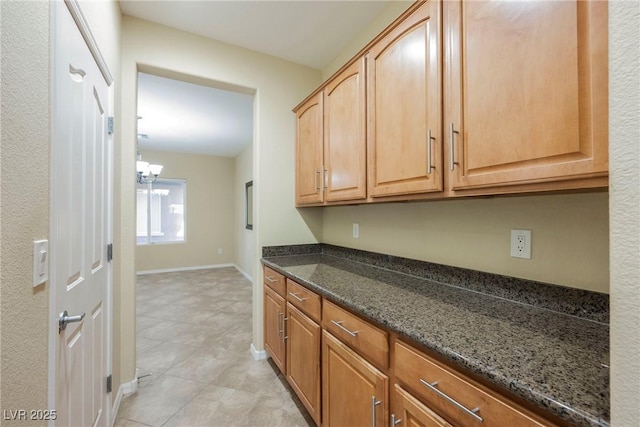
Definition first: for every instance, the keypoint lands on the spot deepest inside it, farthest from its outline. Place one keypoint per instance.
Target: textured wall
(25, 203)
(624, 153)
(210, 212)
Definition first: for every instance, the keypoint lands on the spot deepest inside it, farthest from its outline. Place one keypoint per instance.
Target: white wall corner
(258, 354)
(244, 273)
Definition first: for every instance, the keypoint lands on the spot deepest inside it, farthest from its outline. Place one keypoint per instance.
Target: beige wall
(210, 213)
(569, 235)
(624, 150)
(245, 256)
(278, 86)
(26, 44)
(391, 12)
(25, 203)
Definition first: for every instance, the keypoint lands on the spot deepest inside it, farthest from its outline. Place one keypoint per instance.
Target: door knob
(64, 319)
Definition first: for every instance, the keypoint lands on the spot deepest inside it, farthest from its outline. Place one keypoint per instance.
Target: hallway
(193, 340)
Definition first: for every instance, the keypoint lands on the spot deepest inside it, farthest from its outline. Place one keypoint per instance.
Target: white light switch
(40, 262)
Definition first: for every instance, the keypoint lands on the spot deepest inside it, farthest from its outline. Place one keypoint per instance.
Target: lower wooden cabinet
(341, 366)
(355, 393)
(274, 315)
(455, 396)
(303, 359)
(409, 411)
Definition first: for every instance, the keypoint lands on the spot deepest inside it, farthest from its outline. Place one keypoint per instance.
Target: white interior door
(80, 220)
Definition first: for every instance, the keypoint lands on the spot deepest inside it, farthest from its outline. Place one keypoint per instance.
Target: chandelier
(147, 174)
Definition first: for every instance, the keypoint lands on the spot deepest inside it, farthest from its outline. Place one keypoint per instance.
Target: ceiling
(189, 118)
(185, 117)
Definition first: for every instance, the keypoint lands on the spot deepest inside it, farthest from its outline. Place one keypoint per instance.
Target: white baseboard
(116, 406)
(258, 355)
(123, 390)
(244, 273)
(199, 267)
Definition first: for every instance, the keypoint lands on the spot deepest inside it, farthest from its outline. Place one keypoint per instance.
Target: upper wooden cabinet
(345, 155)
(404, 106)
(463, 98)
(525, 93)
(331, 146)
(309, 164)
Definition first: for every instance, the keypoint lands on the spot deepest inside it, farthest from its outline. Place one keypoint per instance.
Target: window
(161, 211)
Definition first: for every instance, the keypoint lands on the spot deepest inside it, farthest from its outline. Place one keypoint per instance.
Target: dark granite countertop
(554, 360)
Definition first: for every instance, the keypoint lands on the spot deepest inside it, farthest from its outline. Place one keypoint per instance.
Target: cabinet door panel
(309, 167)
(274, 312)
(526, 86)
(303, 359)
(351, 388)
(411, 412)
(404, 99)
(345, 128)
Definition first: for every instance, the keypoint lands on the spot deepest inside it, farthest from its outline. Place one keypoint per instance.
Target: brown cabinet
(366, 339)
(355, 393)
(454, 396)
(463, 98)
(303, 359)
(404, 97)
(331, 145)
(411, 412)
(274, 319)
(341, 367)
(345, 156)
(309, 162)
(525, 94)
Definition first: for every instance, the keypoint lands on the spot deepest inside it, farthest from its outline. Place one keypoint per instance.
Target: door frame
(83, 26)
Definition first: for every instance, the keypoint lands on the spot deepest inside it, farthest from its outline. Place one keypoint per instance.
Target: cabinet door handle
(326, 178)
(315, 179)
(297, 297)
(284, 328)
(394, 421)
(472, 412)
(280, 330)
(374, 403)
(339, 325)
(429, 139)
(452, 162)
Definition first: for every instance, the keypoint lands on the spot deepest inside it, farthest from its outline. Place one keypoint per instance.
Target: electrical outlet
(220, 251)
(521, 244)
(356, 230)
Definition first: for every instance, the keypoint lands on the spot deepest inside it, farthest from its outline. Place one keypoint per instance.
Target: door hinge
(109, 252)
(110, 125)
(109, 383)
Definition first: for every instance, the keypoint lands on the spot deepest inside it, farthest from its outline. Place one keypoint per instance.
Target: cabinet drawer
(449, 392)
(275, 281)
(307, 301)
(369, 341)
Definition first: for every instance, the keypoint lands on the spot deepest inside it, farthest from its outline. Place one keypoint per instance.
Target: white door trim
(83, 26)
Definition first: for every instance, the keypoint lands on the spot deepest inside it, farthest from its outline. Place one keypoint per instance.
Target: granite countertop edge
(526, 392)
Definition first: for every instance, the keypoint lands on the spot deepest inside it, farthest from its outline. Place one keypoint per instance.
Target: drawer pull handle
(297, 297)
(339, 325)
(472, 412)
(374, 403)
(271, 279)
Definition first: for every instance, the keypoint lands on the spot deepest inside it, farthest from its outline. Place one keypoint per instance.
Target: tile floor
(193, 339)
